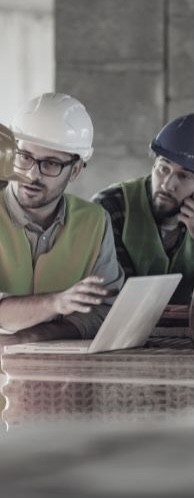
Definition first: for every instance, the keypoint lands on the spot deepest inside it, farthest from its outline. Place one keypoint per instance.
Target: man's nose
(169, 183)
(33, 173)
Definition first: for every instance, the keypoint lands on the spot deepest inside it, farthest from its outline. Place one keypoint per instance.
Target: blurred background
(131, 62)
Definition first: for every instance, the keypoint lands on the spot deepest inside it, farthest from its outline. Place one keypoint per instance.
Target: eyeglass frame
(64, 164)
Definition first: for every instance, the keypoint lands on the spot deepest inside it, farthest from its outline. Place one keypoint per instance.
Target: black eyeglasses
(47, 167)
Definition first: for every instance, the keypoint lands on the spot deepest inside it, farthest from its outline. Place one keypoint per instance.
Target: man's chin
(162, 212)
(27, 203)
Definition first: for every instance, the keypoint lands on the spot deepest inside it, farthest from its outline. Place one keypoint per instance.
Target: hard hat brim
(84, 154)
(179, 158)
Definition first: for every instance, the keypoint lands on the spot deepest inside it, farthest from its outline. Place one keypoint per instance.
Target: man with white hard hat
(57, 257)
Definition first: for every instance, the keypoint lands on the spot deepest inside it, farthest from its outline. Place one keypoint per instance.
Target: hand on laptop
(82, 296)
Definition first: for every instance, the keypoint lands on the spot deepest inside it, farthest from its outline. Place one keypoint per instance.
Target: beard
(162, 210)
(29, 198)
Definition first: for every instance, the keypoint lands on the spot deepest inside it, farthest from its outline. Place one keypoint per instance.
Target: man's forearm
(26, 311)
(56, 330)
(76, 326)
(22, 312)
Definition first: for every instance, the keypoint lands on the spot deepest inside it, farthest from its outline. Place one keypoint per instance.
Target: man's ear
(77, 167)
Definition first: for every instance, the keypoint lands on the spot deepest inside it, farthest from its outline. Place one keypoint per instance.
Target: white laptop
(129, 322)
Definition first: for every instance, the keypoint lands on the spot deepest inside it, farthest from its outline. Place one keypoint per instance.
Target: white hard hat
(56, 121)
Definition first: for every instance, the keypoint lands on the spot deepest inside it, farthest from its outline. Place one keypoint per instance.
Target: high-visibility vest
(71, 258)
(144, 245)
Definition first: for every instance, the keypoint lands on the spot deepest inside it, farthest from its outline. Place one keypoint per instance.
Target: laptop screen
(135, 312)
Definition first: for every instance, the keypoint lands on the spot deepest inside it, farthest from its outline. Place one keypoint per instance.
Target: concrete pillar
(181, 58)
(26, 52)
(110, 55)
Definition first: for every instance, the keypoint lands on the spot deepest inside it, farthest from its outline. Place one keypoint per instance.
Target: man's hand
(81, 296)
(187, 215)
(20, 312)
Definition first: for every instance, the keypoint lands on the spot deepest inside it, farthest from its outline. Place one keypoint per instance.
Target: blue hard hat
(176, 141)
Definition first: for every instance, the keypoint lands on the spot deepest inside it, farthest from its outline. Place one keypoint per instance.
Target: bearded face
(171, 184)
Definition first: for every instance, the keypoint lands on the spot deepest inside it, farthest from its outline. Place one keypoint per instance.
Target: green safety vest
(71, 259)
(144, 245)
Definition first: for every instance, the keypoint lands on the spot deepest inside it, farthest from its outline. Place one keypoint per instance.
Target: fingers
(93, 293)
(186, 215)
(83, 295)
(188, 221)
(91, 285)
(89, 291)
(189, 202)
(86, 298)
(187, 211)
(92, 279)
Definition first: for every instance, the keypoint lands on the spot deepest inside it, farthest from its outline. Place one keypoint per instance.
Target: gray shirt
(42, 241)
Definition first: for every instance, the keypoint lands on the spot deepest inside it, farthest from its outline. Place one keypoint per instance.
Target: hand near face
(186, 215)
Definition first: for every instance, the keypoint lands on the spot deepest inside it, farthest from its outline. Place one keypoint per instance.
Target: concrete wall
(131, 62)
(26, 52)
(180, 94)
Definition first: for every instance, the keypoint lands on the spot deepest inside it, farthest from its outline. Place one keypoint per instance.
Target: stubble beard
(31, 202)
(161, 211)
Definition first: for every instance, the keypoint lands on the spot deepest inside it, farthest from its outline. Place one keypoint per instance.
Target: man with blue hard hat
(153, 216)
